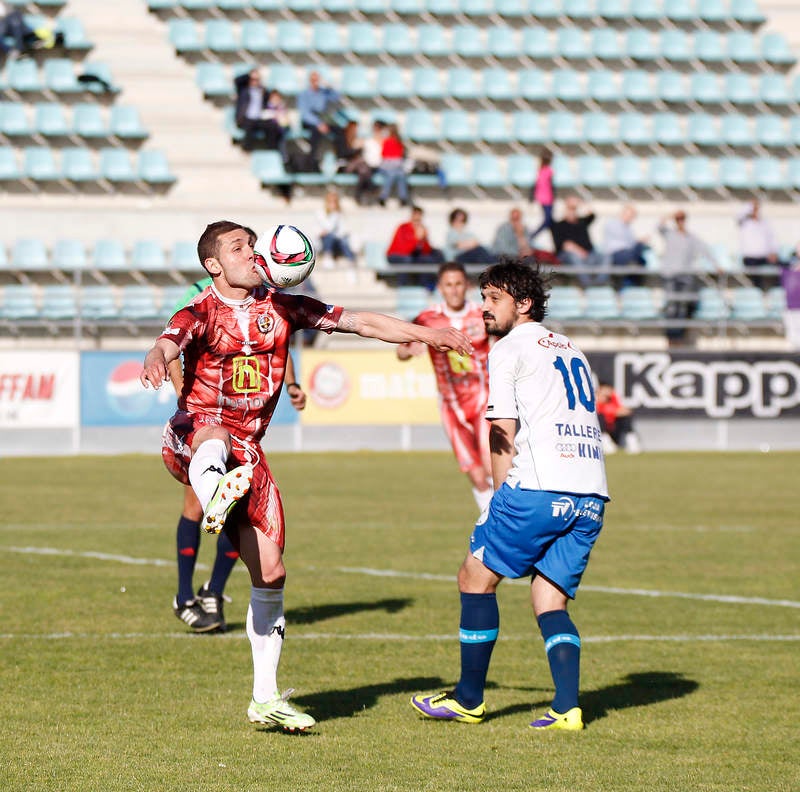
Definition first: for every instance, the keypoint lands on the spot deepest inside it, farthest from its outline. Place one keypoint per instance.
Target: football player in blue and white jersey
(550, 495)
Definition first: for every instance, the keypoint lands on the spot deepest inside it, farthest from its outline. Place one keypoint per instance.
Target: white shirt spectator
(617, 235)
(756, 239)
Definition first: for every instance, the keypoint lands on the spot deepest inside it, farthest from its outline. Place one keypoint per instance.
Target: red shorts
(262, 506)
(468, 431)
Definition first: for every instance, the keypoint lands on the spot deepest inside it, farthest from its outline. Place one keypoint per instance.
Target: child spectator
(616, 422)
(543, 192)
(393, 167)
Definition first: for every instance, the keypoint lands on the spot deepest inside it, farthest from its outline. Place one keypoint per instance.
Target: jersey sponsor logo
(460, 364)
(171, 331)
(551, 342)
(563, 507)
(246, 374)
(264, 323)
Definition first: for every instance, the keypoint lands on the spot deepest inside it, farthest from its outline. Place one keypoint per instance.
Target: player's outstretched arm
(156, 361)
(396, 331)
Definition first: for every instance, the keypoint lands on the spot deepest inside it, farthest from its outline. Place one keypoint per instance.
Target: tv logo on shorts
(563, 507)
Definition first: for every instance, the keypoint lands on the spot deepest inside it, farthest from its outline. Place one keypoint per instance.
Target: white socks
(265, 629)
(207, 466)
(482, 498)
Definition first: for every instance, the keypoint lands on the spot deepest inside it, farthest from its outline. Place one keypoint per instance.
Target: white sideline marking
(238, 635)
(727, 598)
(730, 599)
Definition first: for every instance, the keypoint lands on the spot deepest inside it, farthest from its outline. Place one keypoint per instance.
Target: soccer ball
(285, 256)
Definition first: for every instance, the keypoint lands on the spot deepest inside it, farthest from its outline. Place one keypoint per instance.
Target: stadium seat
(528, 129)
(493, 127)
(664, 174)
(598, 129)
(545, 9)
(88, 121)
(776, 51)
(153, 168)
(59, 302)
(771, 131)
(183, 256)
(736, 131)
(511, 8)
(411, 301)
(629, 172)
(601, 303)
(139, 302)
(793, 173)
(747, 304)
(739, 88)
(502, 43)
(768, 174)
(268, 168)
(267, 6)
(23, 76)
(636, 85)
(147, 255)
(702, 130)
(213, 80)
(733, 173)
(363, 40)
(568, 85)
(172, 297)
(357, 82)
(639, 44)
(635, 129)
(773, 90)
(78, 165)
(794, 131)
(220, 36)
(19, 302)
(433, 41)
(667, 130)
(603, 86)
(674, 46)
(671, 87)
(40, 164)
(593, 171)
(742, 47)
(458, 126)
(69, 255)
(563, 128)
(420, 126)
(476, 8)
(614, 10)
(705, 88)
(579, 10)
(184, 36)
(14, 121)
(116, 167)
(605, 44)
(535, 85)
(403, 7)
(565, 303)
(290, 37)
(497, 84)
(108, 255)
(468, 41)
(638, 304)
(646, 10)
(126, 124)
(256, 36)
(573, 44)
(283, 77)
(97, 79)
(700, 174)
(538, 44)
(522, 170)
(455, 170)
(29, 254)
(98, 303)
(372, 6)
(50, 120)
(427, 83)
(775, 302)
(391, 82)
(463, 85)
(747, 12)
(679, 10)
(59, 76)
(711, 305)
(565, 172)
(713, 11)
(375, 256)
(442, 7)
(709, 46)
(489, 171)
(398, 40)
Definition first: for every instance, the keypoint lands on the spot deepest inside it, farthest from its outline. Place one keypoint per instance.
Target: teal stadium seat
(59, 302)
(646, 10)
(183, 257)
(29, 254)
(538, 44)
(664, 174)
(220, 36)
(742, 47)
(605, 44)
(126, 124)
(391, 82)
(603, 86)
(774, 90)
(463, 85)
(476, 8)
(14, 121)
(733, 173)
(283, 77)
(739, 88)
(503, 43)
(433, 41)
(794, 130)
(427, 83)
(768, 174)
(327, 38)
(256, 36)
(399, 40)
(709, 46)
(569, 86)
(747, 304)
(78, 165)
(747, 12)
(363, 40)
(372, 6)
(184, 36)
(672, 87)
(59, 76)
(23, 76)
(629, 172)
(489, 171)
(680, 10)
(565, 303)
(267, 6)
(493, 127)
(565, 176)
(88, 121)
(268, 168)
(147, 255)
(498, 84)
(563, 128)
(99, 78)
(172, 298)
(535, 85)
(667, 130)
(772, 131)
(198, 5)
(98, 303)
(776, 51)
(108, 255)
(737, 132)
(547, 10)
(613, 10)
(458, 126)
(713, 11)
(636, 129)
(300, 7)
(75, 37)
(705, 88)
(636, 86)
(213, 80)
(702, 130)
(40, 164)
(455, 170)
(407, 7)
(442, 8)
(511, 9)
(599, 129)
(522, 171)
(420, 126)
(674, 46)
(116, 166)
(139, 303)
(232, 6)
(290, 37)
(638, 304)
(601, 303)
(700, 174)
(468, 41)
(639, 45)
(411, 301)
(69, 255)
(50, 120)
(775, 300)
(527, 128)
(375, 256)
(357, 82)
(711, 305)
(593, 171)
(793, 173)
(572, 44)
(153, 168)
(579, 10)
(19, 302)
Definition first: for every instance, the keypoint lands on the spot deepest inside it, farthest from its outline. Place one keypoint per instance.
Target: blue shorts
(525, 532)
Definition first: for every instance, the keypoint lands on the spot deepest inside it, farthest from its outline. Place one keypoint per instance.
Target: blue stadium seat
(646, 10)
(147, 255)
(747, 12)
(139, 302)
(153, 168)
(705, 88)
(229, 6)
(468, 41)
(256, 36)
(14, 120)
(680, 10)
(183, 256)
(572, 44)
(267, 6)
(290, 37)
(702, 130)
(476, 8)
(639, 45)
(126, 124)
(511, 8)
(184, 36)
(406, 7)
(538, 44)
(579, 10)
(700, 173)
(522, 170)
(773, 89)
(372, 6)
(535, 85)
(598, 129)
(498, 85)
(772, 132)
(40, 164)
(493, 127)
(528, 128)
(775, 300)
(614, 10)
(23, 76)
(565, 303)
(776, 51)
(357, 82)
(78, 165)
(98, 303)
(606, 44)
(629, 172)
(456, 170)
(391, 82)
(638, 304)
(736, 131)
(69, 255)
(268, 168)
(489, 171)
(50, 120)
(545, 9)
(667, 130)
(601, 303)
(742, 47)
(603, 86)
(711, 305)
(713, 11)
(198, 5)
(636, 86)
(108, 255)
(59, 76)
(98, 79)
(29, 254)
(220, 36)
(283, 77)
(563, 129)
(463, 85)
(213, 80)
(503, 43)
(442, 7)
(420, 126)
(427, 83)
(565, 172)
(768, 174)
(568, 85)
(747, 304)
(116, 166)
(739, 88)
(433, 41)
(19, 302)
(59, 302)
(794, 130)
(664, 174)
(635, 129)
(363, 40)
(675, 46)
(709, 46)
(458, 126)
(593, 171)
(88, 121)
(672, 87)
(398, 40)
(733, 173)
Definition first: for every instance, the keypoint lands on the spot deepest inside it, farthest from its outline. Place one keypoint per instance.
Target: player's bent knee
(211, 433)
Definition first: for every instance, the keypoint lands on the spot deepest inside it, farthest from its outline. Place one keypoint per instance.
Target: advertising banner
(38, 390)
(368, 387)
(111, 394)
(703, 384)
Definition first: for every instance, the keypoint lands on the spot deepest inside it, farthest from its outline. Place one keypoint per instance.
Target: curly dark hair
(521, 280)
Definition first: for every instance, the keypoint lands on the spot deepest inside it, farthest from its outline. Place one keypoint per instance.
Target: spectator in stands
(393, 167)
(410, 245)
(574, 245)
(511, 237)
(543, 192)
(622, 245)
(318, 105)
(461, 245)
(680, 264)
(616, 422)
(21, 35)
(259, 113)
(351, 160)
(334, 236)
(757, 243)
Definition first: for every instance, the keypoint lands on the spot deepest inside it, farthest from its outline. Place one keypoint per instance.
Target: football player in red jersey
(462, 380)
(235, 343)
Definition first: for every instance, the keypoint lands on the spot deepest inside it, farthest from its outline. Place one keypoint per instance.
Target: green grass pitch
(101, 688)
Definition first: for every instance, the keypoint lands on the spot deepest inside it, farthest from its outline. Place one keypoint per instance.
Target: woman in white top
(334, 237)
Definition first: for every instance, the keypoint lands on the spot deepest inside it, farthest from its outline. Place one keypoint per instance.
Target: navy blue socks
(563, 646)
(480, 620)
(223, 563)
(188, 542)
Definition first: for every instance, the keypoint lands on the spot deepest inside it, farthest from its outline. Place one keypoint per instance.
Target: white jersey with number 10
(543, 381)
